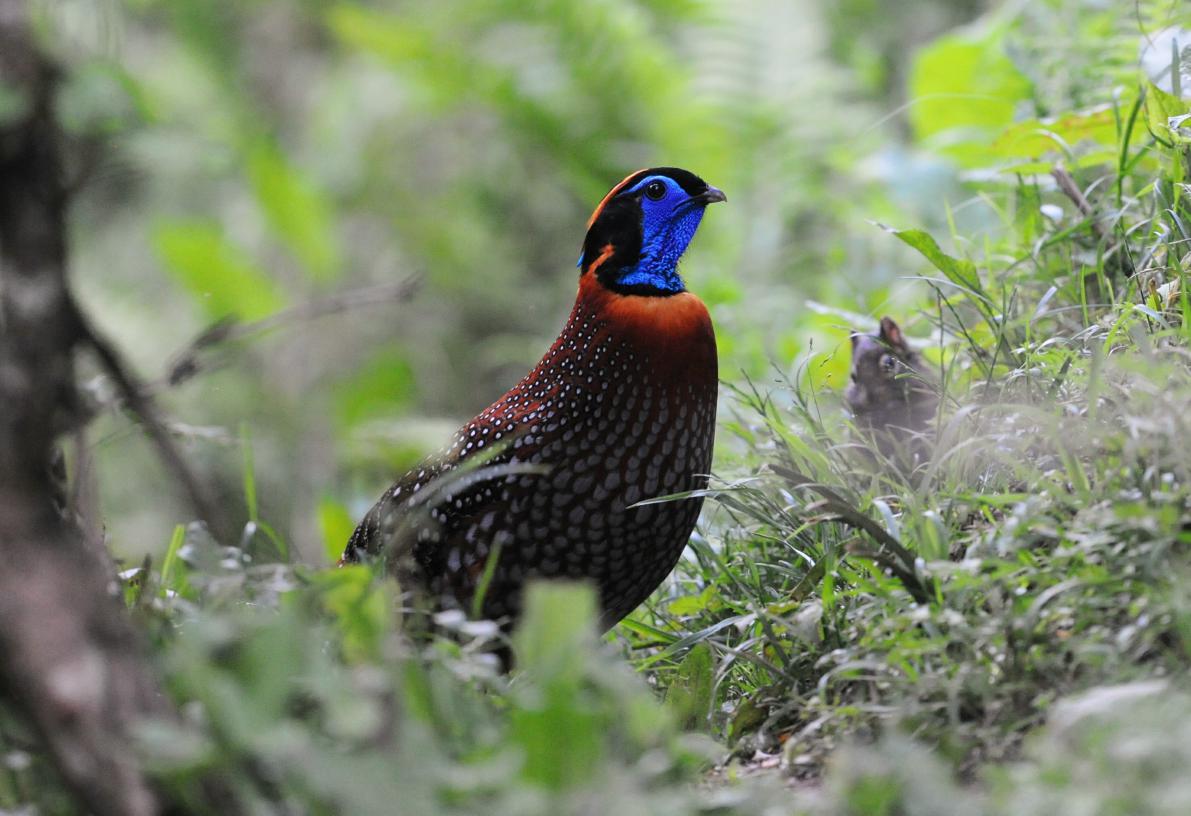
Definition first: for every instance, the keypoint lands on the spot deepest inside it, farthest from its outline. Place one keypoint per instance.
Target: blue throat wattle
(664, 238)
(641, 232)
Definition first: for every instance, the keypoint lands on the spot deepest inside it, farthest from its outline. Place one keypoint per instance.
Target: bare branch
(186, 363)
(1067, 185)
(1115, 259)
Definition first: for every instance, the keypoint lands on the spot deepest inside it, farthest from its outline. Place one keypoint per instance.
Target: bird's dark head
(639, 231)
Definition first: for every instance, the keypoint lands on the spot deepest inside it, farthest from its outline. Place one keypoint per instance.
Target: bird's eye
(655, 190)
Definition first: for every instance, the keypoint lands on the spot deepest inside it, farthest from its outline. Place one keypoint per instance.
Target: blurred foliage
(1029, 165)
(260, 154)
(1051, 522)
(1115, 750)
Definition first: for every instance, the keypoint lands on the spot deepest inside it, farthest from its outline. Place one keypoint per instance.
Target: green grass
(1005, 631)
(1049, 536)
(888, 641)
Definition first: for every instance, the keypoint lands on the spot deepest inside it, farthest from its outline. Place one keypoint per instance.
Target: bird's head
(639, 231)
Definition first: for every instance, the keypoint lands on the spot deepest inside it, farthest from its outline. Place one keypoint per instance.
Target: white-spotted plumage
(546, 481)
(608, 430)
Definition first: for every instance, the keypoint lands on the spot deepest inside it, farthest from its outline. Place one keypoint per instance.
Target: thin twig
(1111, 253)
(185, 363)
(1069, 188)
(141, 403)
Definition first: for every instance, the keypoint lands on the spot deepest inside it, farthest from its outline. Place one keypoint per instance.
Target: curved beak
(710, 196)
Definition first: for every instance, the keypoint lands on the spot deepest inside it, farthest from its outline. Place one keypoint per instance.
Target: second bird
(543, 482)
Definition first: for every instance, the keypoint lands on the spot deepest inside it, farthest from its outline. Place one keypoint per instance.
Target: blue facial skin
(667, 226)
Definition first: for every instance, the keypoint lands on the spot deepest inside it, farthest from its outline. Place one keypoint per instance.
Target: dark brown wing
(385, 528)
(419, 525)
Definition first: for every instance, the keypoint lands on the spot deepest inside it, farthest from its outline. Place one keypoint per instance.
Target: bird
(550, 481)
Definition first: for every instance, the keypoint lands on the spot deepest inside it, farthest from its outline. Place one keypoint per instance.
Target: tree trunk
(71, 659)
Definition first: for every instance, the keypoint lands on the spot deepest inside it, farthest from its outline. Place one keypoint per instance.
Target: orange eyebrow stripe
(604, 255)
(611, 193)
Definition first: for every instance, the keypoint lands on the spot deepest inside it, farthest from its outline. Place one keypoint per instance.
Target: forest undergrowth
(1005, 629)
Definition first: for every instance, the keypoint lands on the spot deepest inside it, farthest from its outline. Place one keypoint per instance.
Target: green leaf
(959, 271)
(1166, 114)
(248, 471)
(360, 607)
(100, 98)
(296, 211)
(692, 685)
(1039, 137)
(373, 32)
(336, 526)
(445, 73)
(219, 274)
(830, 366)
(558, 621)
(694, 604)
(557, 726)
(964, 92)
(171, 560)
(748, 716)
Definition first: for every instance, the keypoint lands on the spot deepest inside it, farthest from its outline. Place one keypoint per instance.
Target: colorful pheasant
(546, 481)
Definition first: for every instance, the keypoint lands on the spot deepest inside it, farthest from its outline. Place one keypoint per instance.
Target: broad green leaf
(373, 32)
(1094, 158)
(219, 274)
(448, 74)
(957, 270)
(1038, 137)
(830, 365)
(296, 211)
(1166, 114)
(964, 91)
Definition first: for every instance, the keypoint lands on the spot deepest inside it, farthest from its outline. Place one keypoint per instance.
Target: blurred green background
(258, 156)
